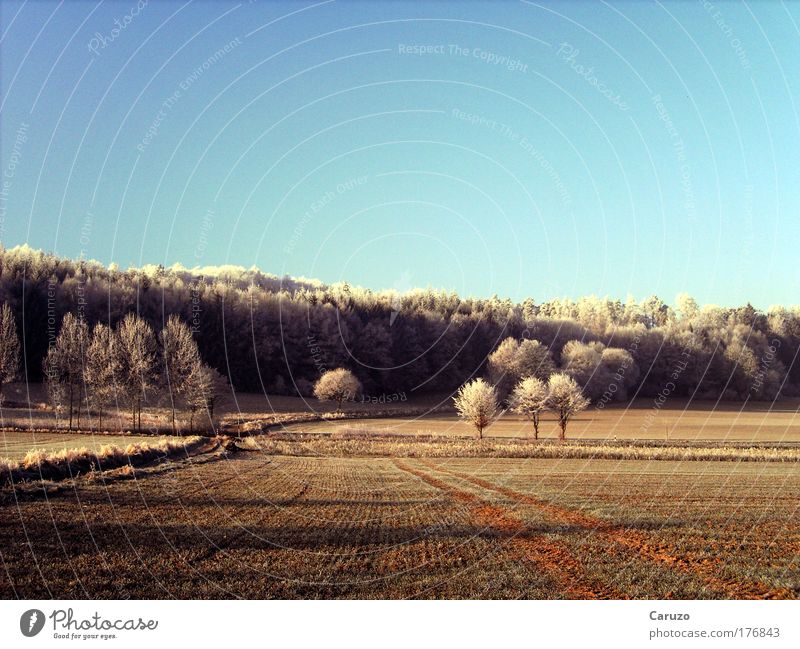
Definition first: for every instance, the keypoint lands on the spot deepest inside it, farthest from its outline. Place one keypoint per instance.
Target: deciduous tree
(101, 368)
(565, 398)
(136, 357)
(529, 399)
(204, 389)
(181, 357)
(476, 403)
(337, 385)
(64, 365)
(9, 348)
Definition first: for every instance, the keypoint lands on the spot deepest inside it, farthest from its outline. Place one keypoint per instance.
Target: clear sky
(518, 148)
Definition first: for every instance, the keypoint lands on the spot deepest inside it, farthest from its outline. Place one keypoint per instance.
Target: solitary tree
(529, 399)
(102, 368)
(181, 357)
(9, 348)
(64, 364)
(476, 403)
(566, 398)
(136, 357)
(337, 385)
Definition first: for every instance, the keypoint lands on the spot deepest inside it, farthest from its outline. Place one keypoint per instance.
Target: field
(677, 421)
(686, 501)
(255, 525)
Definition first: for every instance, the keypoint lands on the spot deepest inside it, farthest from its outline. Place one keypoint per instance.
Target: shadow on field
(208, 539)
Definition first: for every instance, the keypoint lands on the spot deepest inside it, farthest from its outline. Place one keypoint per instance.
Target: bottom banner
(398, 624)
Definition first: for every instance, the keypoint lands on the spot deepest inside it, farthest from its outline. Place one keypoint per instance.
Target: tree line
(93, 369)
(279, 335)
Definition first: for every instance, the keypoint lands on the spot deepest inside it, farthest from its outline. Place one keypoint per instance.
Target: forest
(279, 334)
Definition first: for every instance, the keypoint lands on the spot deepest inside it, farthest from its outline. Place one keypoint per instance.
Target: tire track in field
(648, 546)
(554, 557)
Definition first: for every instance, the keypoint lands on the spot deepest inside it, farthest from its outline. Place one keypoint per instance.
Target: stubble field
(255, 525)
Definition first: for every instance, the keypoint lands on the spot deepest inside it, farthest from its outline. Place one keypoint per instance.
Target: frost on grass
(66, 463)
(356, 443)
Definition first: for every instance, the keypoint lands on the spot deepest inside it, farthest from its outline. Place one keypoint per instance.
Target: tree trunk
(70, 407)
(173, 419)
(536, 427)
(563, 434)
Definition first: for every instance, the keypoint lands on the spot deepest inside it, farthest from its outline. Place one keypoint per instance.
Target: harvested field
(254, 525)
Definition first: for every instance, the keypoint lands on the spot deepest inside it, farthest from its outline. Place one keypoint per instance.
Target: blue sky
(518, 148)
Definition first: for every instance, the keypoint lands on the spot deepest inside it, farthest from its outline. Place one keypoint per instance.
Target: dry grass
(15, 443)
(355, 443)
(41, 464)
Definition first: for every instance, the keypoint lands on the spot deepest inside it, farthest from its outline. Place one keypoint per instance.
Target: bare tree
(136, 357)
(64, 365)
(102, 368)
(529, 399)
(337, 385)
(181, 357)
(9, 348)
(476, 403)
(566, 398)
(204, 388)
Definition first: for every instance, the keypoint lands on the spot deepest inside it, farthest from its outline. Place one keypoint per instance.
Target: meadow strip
(440, 447)
(68, 463)
(647, 545)
(555, 558)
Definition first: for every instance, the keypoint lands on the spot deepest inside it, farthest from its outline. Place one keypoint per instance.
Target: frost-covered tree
(529, 399)
(204, 388)
(603, 372)
(337, 385)
(513, 360)
(476, 403)
(101, 369)
(9, 348)
(565, 398)
(257, 325)
(533, 359)
(502, 366)
(136, 357)
(687, 306)
(64, 366)
(180, 358)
